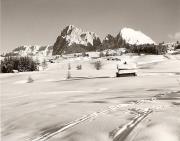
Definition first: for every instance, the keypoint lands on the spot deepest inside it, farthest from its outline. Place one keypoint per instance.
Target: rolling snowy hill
(132, 36)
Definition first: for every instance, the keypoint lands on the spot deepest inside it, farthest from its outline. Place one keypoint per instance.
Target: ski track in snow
(126, 129)
(121, 133)
(92, 116)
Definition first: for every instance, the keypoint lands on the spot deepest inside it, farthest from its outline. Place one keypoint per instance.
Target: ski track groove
(92, 116)
(123, 132)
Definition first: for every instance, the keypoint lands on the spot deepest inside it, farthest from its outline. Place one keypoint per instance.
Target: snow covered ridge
(132, 36)
(33, 50)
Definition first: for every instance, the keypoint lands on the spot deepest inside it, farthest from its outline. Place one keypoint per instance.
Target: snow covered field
(93, 105)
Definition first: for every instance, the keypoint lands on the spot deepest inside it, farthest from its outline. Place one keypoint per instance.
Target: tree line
(147, 49)
(21, 64)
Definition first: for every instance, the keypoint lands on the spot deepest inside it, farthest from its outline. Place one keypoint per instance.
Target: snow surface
(132, 36)
(90, 106)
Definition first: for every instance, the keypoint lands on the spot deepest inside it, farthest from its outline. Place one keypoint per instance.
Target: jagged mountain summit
(78, 36)
(132, 37)
(33, 50)
(73, 39)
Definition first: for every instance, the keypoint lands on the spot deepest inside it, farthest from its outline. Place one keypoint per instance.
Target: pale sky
(39, 22)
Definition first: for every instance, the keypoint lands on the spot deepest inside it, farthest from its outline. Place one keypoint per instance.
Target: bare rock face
(73, 39)
(111, 42)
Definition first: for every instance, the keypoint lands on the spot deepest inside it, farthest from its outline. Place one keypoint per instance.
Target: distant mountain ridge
(33, 50)
(75, 40)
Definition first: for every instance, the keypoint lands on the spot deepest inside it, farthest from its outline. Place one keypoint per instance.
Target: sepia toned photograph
(90, 70)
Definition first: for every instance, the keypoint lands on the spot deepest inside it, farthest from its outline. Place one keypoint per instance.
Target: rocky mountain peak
(76, 37)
